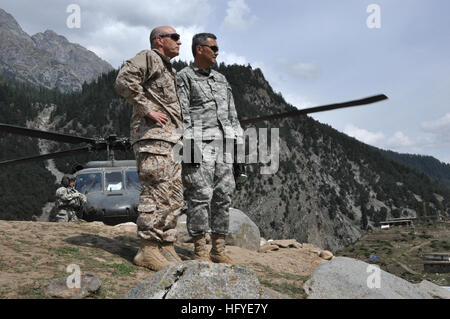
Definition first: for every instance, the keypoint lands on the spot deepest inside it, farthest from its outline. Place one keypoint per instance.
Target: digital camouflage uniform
(207, 100)
(147, 81)
(68, 202)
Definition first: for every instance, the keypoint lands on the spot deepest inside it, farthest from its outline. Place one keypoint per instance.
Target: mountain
(433, 168)
(46, 59)
(328, 190)
(329, 187)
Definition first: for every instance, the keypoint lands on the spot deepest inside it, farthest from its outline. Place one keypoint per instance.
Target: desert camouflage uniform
(147, 81)
(207, 100)
(68, 202)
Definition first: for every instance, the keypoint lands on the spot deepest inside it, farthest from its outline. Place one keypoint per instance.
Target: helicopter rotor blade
(72, 152)
(368, 100)
(59, 137)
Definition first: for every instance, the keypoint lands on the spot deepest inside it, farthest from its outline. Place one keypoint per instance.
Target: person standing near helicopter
(208, 108)
(147, 81)
(68, 201)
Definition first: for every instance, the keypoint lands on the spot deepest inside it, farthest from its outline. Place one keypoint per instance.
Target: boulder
(272, 294)
(434, 290)
(326, 254)
(89, 284)
(348, 278)
(243, 232)
(286, 243)
(127, 227)
(268, 247)
(198, 279)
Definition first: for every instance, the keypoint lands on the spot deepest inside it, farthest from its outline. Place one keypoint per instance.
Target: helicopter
(112, 187)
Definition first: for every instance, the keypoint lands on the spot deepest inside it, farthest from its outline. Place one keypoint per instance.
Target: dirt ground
(35, 253)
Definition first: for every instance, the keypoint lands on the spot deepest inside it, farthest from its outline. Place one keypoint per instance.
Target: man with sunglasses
(209, 119)
(147, 82)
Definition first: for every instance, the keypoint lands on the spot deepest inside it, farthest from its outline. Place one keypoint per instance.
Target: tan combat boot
(200, 247)
(217, 253)
(168, 250)
(150, 256)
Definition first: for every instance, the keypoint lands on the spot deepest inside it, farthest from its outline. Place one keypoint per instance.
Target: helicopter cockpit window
(87, 183)
(113, 181)
(132, 180)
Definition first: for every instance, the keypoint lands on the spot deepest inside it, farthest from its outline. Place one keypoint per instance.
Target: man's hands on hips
(158, 117)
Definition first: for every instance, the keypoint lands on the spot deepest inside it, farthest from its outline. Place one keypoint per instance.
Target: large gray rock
(58, 288)
(243, 231)
(200, 280)
(348, 278)
(434, 290)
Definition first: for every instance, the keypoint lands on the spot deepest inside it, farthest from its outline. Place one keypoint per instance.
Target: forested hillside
(24, 189)
(432, 167)
(328, 190)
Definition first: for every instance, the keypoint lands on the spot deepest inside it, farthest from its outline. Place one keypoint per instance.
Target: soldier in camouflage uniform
(208, 108)
(147, 81)
(68, 201)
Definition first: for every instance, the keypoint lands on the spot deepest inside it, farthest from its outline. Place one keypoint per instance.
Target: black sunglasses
(173, 36)
(212, 47)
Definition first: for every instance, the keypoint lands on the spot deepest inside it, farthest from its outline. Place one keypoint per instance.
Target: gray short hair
(154, 34)
(199, 39)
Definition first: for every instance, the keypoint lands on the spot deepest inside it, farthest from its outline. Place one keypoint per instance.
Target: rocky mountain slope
(429, 165)
(328, 188)
(46, 59)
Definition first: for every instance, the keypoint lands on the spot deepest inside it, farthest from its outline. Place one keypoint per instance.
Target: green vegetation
(432, 167)
(400, 250)
(34, 290)
(123, 269)
(291, 289)
(285, 283)
(65, 250)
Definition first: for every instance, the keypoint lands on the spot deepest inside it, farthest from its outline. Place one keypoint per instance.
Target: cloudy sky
(313, 52)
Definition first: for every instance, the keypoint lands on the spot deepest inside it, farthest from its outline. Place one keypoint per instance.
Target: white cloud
(399, 140)
(306, 71)
(238, 16)
(150, 13)
(186, 40)
(186, 51)
(116, 42)
(231, 58)
(364, 136)
(297, 100)
(438, 124)
(439, 128)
